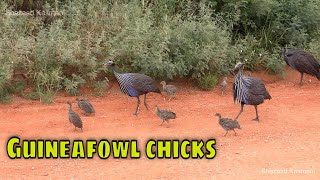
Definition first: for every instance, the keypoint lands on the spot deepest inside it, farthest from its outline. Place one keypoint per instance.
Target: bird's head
(156, 107)
(218, 114)
(282, 52)
(225, 79)
(163, 83)
(238, 66)
(77, 99)
(109, 64)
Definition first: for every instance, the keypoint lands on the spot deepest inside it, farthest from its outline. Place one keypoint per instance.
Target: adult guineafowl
(74, 117)
(86, 106)
(165, 115)
(228, 124)
(248, 90)
(135, 84)
(301, 61)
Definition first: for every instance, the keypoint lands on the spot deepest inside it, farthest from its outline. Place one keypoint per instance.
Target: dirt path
(287, 138)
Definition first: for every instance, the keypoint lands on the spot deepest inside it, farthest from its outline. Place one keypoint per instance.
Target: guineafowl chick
(74, 118)
(86, 106)
(169, 89)
(224, 86)
(165, 115)
(228, 124)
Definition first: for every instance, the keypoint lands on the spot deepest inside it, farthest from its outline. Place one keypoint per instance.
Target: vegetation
(61, 45)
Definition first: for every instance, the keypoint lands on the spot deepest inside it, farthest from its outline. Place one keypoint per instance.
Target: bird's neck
(240, 72)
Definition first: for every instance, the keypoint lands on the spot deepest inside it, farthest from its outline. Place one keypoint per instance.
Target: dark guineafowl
(165, 115)
(169, 89)
(248, 90)
(86, 106)
(74, 117)
(228, 124)
(301, 61)
(135, 85)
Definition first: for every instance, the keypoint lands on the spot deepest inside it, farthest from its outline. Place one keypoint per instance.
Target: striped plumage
(301, 61)
(74, 118)
(165, 115)
(248, 90)
(170, 90)
(228, 124)
(135, 85)
(86, 106)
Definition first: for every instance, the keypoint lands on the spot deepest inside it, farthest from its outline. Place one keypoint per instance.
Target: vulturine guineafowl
(74, 117)
(86, 106)
(135, 84)
(169, 89)
(224, 86)
(228, 124)
(165, 114)
(248, 90)
(301, 61)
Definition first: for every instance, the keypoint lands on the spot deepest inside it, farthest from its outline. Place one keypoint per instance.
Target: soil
(286, 138)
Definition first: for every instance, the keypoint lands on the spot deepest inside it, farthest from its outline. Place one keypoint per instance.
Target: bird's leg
(226, 133)
(257, 117)
(234, 132)
(161, 123)
(241, 110)
(138, 103)
(145, 101)
(301, 79)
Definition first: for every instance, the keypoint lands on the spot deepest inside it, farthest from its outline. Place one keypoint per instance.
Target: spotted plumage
(170, 90)
(165, 115)
(74, 118)
(224, 86)
(86, 106)
(228, 124)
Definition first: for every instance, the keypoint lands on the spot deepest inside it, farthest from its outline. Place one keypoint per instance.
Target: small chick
(169, 89)
(86, 106)
(224, 86)
(165, 115)
(228, 124)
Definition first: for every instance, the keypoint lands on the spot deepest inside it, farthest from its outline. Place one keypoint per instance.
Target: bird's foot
(256, 119)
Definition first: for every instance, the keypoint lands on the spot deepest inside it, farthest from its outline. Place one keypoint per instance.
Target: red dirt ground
(287, 136)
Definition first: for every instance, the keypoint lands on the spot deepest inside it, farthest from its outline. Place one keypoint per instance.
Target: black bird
(228, 124)
(301, 61)
(86, 106)
(165, 115)
(74, 117)
(135, 84)
(248, 90)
